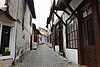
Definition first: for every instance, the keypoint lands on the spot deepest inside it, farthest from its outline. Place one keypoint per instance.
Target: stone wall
(6, 63)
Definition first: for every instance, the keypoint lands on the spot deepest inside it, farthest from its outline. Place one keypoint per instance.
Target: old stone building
(35, 35)
(44, 35)
(15, 29)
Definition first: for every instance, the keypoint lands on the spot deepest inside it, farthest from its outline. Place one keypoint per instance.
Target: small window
(86, 10)
(30, 20)
(23, 24)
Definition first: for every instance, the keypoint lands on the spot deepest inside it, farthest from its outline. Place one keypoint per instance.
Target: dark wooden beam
(69, 18)
(56, 8)
(60, 18)
(66, 12)
(69, 7)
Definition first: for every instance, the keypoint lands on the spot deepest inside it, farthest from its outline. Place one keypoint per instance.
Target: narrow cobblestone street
(43, 57)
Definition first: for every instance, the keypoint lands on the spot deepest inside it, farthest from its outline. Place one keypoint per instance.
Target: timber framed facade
(88, 34)
(81, 26)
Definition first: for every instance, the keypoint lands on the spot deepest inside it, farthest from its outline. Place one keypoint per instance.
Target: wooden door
(89, 34)
(89, 46)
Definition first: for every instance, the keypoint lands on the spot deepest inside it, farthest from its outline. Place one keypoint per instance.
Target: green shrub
(7, 52)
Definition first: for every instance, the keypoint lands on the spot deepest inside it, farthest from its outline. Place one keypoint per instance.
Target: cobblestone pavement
(44, 57)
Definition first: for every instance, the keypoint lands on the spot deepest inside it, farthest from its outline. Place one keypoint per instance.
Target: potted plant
(7, 52)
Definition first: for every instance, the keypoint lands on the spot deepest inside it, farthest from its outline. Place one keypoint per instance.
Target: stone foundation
(6, 63)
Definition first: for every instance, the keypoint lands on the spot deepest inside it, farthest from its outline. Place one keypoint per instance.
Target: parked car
(34, 45)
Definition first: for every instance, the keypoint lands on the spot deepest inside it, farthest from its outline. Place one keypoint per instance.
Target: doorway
(89, 46)
(89, 42)
(61, 37)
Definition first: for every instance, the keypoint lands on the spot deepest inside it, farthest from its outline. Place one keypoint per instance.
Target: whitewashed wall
(64, 17)
(72, 55)
(19, 39)
(27, 20)
(23, 35)
(12, 41)
(64, 39)
(13, 8)
(27, 28)
(20, 10)
(57, 48)
(26, 43)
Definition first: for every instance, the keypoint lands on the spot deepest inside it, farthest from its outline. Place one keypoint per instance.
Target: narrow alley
(44, 57)
(49, 33)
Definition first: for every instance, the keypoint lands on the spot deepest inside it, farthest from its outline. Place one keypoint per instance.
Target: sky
(42, 9)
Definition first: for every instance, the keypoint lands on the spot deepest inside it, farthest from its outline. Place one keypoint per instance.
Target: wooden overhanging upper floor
(67, 6)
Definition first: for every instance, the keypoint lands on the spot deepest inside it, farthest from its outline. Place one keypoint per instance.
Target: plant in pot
(7, 52)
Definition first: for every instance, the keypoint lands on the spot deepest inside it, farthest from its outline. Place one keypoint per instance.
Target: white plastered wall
(71, 54)
(0, 33)
(12, 41)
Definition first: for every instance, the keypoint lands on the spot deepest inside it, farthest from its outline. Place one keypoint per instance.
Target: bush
(7, 52)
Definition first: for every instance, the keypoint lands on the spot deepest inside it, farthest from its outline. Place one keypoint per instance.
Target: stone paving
(44, 57)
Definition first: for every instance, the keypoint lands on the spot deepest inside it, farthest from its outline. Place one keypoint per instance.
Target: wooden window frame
(72, 37)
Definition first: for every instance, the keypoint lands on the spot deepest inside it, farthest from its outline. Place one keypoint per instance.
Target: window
(90, 32)
(4, 40)
(86, 10)
(30, 20)
(23, 24)
(72, 34)
(35, 38)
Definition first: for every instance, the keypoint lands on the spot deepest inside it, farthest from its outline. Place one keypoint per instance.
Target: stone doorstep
(6, 63)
